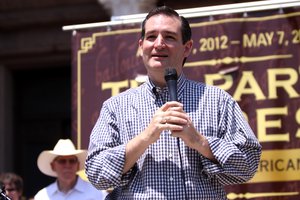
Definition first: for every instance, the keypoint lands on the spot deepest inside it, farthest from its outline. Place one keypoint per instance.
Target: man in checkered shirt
(145, 146)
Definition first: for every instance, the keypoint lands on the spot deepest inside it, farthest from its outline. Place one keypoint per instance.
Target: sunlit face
(66, 167)
(162, 46)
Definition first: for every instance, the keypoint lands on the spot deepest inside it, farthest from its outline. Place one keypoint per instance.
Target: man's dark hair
(164, 10)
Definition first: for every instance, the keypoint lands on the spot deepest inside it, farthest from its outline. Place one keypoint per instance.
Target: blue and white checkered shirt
(157, 173)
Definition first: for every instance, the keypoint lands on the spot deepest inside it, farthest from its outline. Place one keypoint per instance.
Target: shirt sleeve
(106, 154)
(237, 150)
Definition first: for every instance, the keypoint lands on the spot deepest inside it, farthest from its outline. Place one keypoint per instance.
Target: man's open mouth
(160, 56)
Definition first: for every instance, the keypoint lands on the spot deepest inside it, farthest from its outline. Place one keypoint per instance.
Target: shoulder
(130, 92)
(89, 189)
(44, 193)
(126, 96)
(206, 89)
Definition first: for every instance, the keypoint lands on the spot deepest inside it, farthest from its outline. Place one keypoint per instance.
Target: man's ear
(140, 52)
(188, 48)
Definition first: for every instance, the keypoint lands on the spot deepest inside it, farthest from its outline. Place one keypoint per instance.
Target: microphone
(171, 79)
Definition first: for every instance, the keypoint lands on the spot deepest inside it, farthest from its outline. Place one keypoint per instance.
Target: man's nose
(159, 42)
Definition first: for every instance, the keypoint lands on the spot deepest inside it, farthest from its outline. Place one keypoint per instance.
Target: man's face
(12, 191)
(65, 167)
(162, 46)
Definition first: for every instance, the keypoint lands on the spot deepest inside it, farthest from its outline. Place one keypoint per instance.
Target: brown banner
(254, 56)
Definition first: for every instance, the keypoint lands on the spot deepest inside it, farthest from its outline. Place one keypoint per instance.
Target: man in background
(13, 186)
(63, 162)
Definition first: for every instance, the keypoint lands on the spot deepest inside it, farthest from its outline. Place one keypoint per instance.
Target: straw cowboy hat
(64, 147)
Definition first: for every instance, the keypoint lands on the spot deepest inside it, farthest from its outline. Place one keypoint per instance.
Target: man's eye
(149, 37)
(170, 37)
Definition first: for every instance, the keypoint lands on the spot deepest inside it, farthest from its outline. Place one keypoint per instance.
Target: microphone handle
(172, 87)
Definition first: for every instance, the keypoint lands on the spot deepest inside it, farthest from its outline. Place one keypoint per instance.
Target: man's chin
(159, 65)
(158, 68)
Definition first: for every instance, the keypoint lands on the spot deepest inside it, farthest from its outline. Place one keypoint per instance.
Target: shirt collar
(180, 86)
(78, 186)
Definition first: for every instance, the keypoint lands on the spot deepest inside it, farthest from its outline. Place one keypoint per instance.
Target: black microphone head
(170, 74)
(171, 80)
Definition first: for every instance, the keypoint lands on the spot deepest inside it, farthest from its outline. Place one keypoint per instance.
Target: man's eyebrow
(150, 32)
(171, 32)
(164, 32)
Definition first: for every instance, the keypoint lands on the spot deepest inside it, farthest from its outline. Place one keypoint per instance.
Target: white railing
(196, 12)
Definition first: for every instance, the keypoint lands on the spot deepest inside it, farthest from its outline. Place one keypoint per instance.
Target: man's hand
(169, 117)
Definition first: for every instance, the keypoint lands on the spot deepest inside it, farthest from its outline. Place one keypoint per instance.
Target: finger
(177, 108)
(164, 120)
(174, 115)
(173, 128)
(175, 120)
(171, 104)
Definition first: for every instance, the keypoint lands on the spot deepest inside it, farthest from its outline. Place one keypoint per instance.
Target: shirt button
(171, 178)
(170, 155)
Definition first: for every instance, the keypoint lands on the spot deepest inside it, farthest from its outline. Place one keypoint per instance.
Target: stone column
(6, 132)
(128, 7)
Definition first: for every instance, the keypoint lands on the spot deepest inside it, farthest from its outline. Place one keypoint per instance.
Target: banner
(254, 56)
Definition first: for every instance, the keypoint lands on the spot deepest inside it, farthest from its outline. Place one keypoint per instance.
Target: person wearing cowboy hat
(63, 162)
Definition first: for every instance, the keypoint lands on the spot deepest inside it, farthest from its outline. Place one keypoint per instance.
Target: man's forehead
(156, 22)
